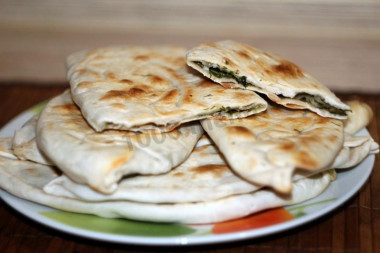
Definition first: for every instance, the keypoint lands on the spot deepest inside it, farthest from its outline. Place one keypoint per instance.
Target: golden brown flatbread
(267, 148)
(142, 88)
(100, 160)
(237, 65)
(26, 180)
(359, 117)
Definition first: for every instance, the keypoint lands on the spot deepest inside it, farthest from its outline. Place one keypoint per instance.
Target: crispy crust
(102, 159)
(142, 88)
(266, 148)
(280, 79)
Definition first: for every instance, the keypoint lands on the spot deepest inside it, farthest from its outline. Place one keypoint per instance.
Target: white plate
(132, 232)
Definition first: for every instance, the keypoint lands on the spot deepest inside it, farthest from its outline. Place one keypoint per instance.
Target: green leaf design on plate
(299, 211)
(38, 108)
(118, 226)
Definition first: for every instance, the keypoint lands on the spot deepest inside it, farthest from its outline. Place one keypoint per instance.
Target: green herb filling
(230, 110)
(320, 103)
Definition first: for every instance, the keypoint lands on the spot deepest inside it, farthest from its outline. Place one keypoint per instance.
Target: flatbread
(26, 179)
(355, 149)
(204, 176)
(5, 148)
(24, 143)
(142, 88)
(267, 148)
(359, 117)
(102, 159)
(237, 65)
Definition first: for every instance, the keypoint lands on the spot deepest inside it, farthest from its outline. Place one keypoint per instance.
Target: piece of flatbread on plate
(102, 159)
(24, 143)
(26, 180)
(6, 148)
(237, 65)
(359, 117)
(267, 148)
(204, 176)
(356, 147)
(142, 88)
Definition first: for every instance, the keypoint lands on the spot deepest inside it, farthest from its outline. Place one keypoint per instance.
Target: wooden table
(354, 227)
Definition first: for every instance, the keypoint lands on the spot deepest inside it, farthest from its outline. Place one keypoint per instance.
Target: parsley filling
(320, 103)
(314, 100)
(230, 110)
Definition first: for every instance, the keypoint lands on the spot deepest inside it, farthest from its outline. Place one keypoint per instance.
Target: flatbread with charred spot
(26, 180)
(143, 88)
(267, 148)
(102, 159)
(204, 176)
(238, 65)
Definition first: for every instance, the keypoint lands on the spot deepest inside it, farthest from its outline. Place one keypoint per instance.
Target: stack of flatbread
(141, 134)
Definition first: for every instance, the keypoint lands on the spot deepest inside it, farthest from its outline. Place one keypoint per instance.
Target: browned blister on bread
(145, 88)
(267, 148)
(238, 65)
(101, 159)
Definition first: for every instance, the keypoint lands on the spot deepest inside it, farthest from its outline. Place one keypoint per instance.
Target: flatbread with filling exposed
(143, 88)
(238, 65)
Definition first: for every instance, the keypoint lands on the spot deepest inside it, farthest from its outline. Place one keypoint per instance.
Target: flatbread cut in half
(101, 159)
(237, 65)
(142, 88)
(267, 148)
(26, 179)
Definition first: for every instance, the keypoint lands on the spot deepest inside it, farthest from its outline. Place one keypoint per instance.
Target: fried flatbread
(355, 147)
(24, 143)
(237, 65)
(26, 179)
(267, 148)
(354, 150)
(204, 176)
(5, 148)
(359, 117)
(142, 88)
(101, 159)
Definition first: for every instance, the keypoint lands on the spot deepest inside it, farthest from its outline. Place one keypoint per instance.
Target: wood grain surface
(353, 227)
